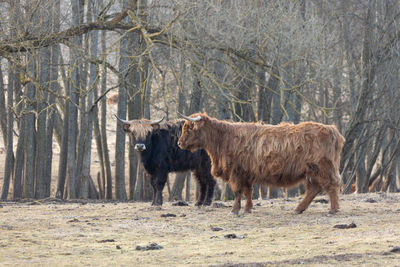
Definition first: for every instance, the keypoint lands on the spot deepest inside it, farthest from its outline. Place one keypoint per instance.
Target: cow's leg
(333, 198)
(237, 198)
(160, 183)
(210, 182)
(329, 181)
(332, 189)
(248, 193)
(153, 180)
(202, 187)
(312, 189)
(202, 193)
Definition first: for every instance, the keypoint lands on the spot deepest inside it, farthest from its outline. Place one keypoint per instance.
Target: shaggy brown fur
(279, 155)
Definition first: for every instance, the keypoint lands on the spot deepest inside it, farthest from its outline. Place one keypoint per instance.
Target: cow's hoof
(334, 211)
(234, 213)
(247, 211)
(207, 203)
(198, 204)
(298, 211)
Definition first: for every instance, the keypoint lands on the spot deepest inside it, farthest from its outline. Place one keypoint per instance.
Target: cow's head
(193, 134)
(140, 131)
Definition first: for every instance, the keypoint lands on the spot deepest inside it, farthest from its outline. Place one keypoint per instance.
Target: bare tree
(332, 62)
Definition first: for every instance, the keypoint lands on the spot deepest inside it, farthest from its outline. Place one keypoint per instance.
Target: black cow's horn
(121, 120)
(190, 119)
(157, 121)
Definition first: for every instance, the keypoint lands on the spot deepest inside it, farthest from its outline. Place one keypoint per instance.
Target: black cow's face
(139, 132)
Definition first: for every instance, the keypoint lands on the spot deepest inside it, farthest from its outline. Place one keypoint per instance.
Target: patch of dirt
(180, 203)
(99, 233)
(152, 246)
(317, 260)
(345, 226)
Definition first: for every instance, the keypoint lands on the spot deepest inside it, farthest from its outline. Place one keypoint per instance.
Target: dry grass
(70, 234)
(51, 233)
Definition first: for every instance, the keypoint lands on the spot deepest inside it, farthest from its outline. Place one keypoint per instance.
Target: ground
(94, 233)
(85, 233)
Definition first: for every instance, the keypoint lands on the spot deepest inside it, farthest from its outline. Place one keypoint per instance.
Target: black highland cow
(157, 145)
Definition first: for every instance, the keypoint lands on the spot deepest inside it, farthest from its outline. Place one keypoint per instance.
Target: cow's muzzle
(140, 147)
(181, 146)
(184, 146)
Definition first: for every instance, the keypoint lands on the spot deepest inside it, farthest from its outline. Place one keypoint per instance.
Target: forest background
(334, 62)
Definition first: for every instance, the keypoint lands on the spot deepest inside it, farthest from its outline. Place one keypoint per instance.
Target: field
(82, 233)
(94, 233)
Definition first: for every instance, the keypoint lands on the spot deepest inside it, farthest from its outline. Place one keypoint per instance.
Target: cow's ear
(155, 126)
(126, 127)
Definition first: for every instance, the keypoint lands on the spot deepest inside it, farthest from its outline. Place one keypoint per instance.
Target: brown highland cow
(278, 155)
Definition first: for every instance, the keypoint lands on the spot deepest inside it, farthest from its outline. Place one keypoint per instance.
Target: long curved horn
(190, 119)
(121, 120)
(157, 121)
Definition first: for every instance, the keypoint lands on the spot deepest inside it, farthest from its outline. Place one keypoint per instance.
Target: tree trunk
(83, 116)
(389, 181)
(147, 188)
(134, 111)
(397, 182)
(227, 193)
(224, 107)
(54, 87)
(273, 84)
(264, 98)
(224, 113)
(9, 145)
(42, 183)
(243, 109)
(97, 135)
(41, 188)
(196, 94)
(361, 173)
(3, 119)
(74, 87)
(264, 191)
(19, 162)
(28, 183)
(103, 132)
(92, 86)
(195, 106)
(63, 160)
(187, 189)
(368, 72)
(141, 193)
(125, 69)
(177, 188)
(256, 191)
